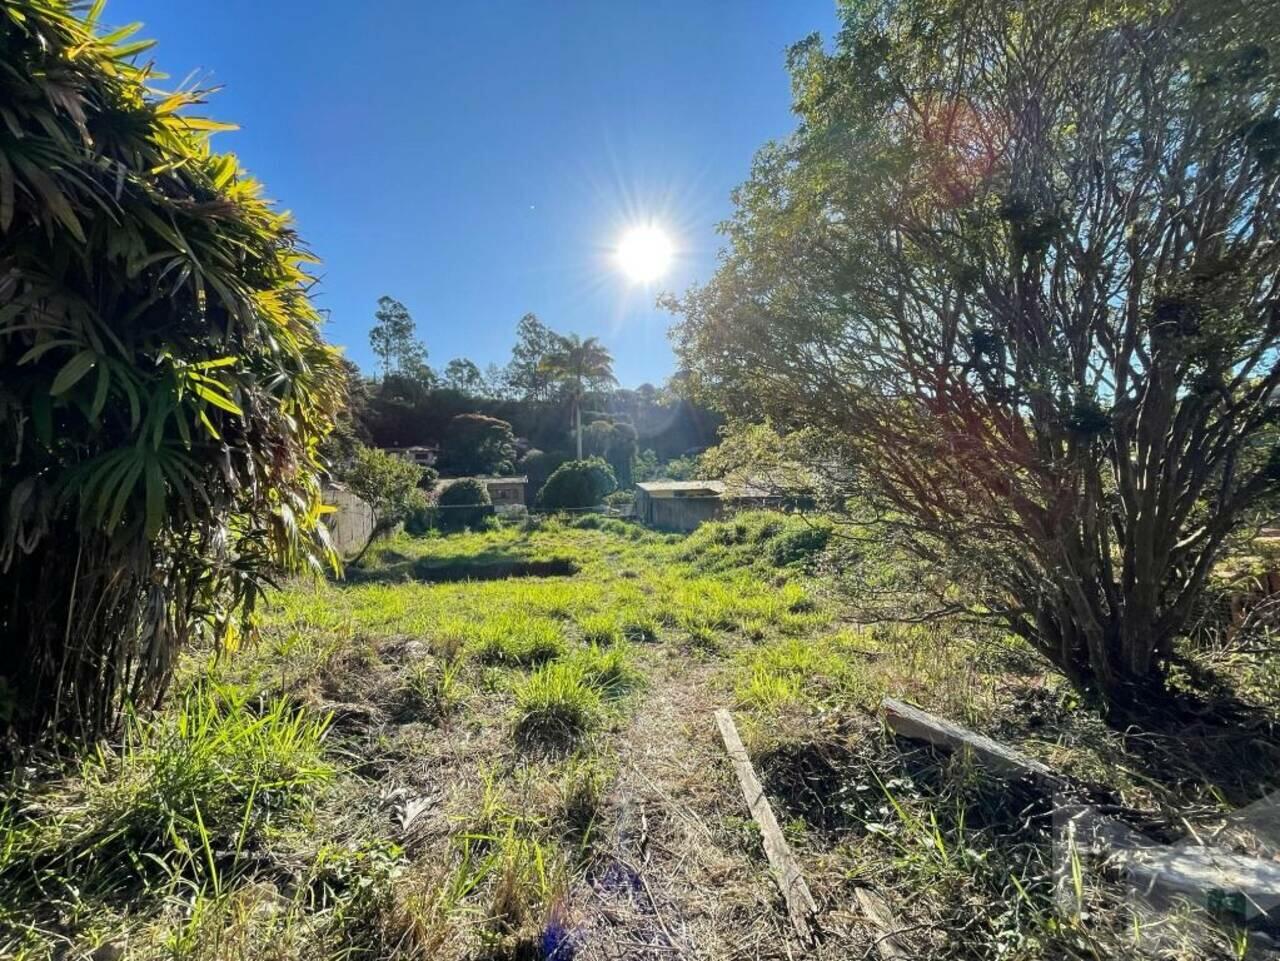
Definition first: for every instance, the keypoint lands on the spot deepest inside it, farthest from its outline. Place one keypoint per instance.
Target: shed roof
(710, 488)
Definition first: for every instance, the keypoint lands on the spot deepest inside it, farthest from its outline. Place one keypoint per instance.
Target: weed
(602, 629)
(435, 689)
(516, 637)
(557, 703)
(608, 670)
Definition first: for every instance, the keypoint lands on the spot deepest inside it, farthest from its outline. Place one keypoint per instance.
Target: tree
(538, 465)
(578, 366)
(526, 374)
(1018, 268)
(477, 444)
(394, 341)
(577, 484)
(465, 492)
(390, 485)
(164, 387)
(616, 443)
(464, 376)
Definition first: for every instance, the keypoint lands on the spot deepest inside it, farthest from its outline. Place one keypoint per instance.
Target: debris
(800, 903)
(914, 723)
(1213, 875)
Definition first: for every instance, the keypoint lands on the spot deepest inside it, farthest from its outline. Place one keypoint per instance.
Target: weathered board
(800, 903)
(912, 722)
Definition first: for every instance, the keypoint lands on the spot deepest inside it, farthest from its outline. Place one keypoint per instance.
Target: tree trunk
(577, 423)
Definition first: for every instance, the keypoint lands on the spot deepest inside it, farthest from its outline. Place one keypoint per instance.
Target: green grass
(259, 814)
(558, 702)
(516, 637)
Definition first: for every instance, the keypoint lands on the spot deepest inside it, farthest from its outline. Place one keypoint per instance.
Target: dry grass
(501, 767)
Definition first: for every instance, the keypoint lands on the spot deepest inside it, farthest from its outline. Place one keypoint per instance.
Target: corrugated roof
(713, 486)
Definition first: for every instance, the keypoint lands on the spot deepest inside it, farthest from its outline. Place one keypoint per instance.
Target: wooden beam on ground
(800, 903)
(1205, 874)
(922, 726)
(877, 912)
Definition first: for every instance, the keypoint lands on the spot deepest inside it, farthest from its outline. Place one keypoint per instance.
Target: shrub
(798, 545)
(163, 382)
(467, 492)
(577, 484)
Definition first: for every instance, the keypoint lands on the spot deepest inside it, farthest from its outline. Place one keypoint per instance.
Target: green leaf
(155, 497)
(217, 399)
(72, 371)
(100, 394)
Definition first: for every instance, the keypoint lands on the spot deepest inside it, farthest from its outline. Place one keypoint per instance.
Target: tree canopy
(1018, 269)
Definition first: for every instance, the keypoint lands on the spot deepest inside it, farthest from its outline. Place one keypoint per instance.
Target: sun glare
(644, 254)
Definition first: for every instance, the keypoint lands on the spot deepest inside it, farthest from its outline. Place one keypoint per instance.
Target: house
(683, 505)
(422, 456)
(506, 493)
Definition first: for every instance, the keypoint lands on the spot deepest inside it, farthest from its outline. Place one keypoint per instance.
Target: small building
(422, 456)
(684, 505)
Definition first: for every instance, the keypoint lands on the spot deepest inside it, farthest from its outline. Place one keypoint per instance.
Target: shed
(684, 505)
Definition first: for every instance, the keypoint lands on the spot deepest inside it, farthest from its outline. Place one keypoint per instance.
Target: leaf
(155, 497)
(8, 183)
(100, 394)
(75, 368)
(217, 399)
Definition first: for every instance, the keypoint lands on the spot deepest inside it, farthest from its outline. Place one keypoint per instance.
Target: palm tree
(579, 365)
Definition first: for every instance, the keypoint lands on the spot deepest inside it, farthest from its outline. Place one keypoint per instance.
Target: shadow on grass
(486, 566)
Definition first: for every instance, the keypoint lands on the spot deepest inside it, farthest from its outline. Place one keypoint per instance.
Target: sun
(644, 253)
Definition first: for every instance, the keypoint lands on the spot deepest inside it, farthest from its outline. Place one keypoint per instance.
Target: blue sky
(478, 160)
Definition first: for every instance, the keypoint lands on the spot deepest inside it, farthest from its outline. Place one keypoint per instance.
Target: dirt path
(679, 871)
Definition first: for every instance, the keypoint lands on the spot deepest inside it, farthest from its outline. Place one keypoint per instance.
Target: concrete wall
(351, 525)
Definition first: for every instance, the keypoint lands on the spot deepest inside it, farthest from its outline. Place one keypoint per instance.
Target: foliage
(557, 702)
(463, 375)
(163, 383)
(476, 444)
(757, 455)
(577, 483)
(465, 492)
(614, 441)
(759, 538)
(394, 341)
(1033, 319)
(390, 485)
(526, 375)
(578, 366)
(538, 465)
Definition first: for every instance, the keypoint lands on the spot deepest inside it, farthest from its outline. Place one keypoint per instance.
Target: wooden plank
(877, 912)
(920, 725)
(800, 903)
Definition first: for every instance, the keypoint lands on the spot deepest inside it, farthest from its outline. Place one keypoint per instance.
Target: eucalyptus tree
(163, 382)
(1018, 268)
(579, 366)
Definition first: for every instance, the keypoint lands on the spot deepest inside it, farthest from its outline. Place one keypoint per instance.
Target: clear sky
(480, 159)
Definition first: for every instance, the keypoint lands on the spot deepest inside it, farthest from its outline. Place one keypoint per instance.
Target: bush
(164, 387)
(577, 484)
(467, 492)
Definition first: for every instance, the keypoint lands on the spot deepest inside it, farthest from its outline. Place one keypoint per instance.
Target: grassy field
(501, 745)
